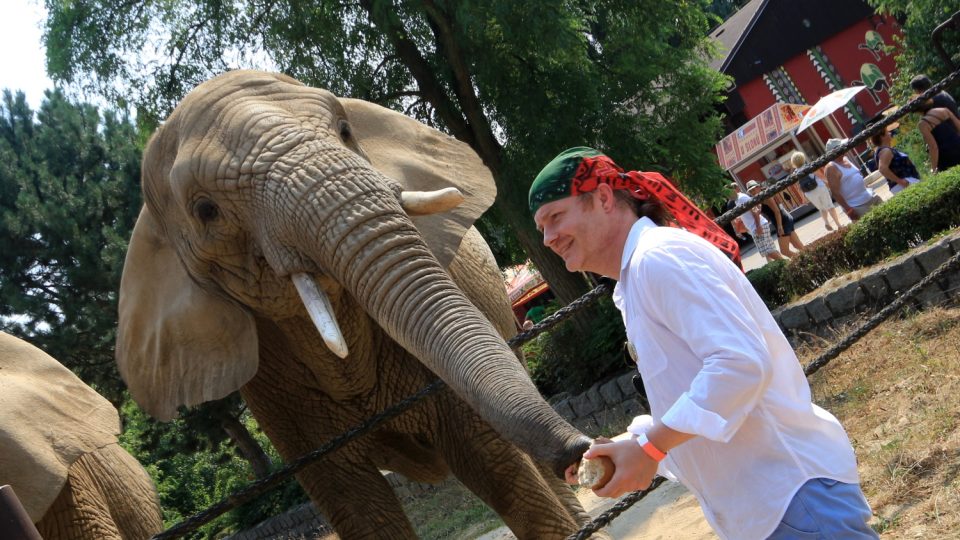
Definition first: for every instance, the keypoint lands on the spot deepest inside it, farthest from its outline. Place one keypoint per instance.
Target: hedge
(907, 220)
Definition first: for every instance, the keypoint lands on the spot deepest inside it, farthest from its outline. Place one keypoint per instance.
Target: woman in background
(941, 131)
(893, 164)
(819, 196)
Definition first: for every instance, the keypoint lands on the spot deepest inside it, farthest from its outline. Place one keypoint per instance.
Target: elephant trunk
(418, 305)
(374, 251)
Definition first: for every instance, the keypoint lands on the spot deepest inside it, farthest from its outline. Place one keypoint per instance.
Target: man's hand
(570, 474)
(634, 468)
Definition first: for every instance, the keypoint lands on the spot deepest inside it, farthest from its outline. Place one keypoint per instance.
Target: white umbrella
(827, 105)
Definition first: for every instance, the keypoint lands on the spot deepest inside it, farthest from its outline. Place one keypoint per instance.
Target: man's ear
(604, 195)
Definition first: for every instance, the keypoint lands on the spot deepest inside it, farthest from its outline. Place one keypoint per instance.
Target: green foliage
(559, 361)
(821, 260)
(518, 81)
(189, 481)
(912, 217)
(919, 18)
(69, 195)
(768, 282)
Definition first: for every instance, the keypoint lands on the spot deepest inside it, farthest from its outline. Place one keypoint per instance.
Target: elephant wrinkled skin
(300, 247)
(59, 452)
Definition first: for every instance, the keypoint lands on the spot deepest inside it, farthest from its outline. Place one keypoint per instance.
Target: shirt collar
(639, 227)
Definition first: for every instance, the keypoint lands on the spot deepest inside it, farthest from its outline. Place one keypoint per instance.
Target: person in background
(816, 191)
(847, 185)
(731, 415)
(758, 228)
(893, 164)
(941, 131)
(921, 83)
(781, 223)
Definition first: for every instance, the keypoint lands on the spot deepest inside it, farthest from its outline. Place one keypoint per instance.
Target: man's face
(569, 228)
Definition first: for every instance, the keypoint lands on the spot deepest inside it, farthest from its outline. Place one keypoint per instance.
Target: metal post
(15, 524)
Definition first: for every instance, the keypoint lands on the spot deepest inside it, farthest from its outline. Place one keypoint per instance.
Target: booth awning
(763, 129)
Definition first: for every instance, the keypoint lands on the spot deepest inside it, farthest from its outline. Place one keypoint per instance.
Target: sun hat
(752, 184)
(834, 143)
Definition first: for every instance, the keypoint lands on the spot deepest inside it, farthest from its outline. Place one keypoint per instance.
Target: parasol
(827, 105)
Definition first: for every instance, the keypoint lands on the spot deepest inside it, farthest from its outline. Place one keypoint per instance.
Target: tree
(69, 195)
(517, 81)
(919, 18)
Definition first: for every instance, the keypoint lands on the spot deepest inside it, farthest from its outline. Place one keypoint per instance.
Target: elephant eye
(345, 133)
(206, 210)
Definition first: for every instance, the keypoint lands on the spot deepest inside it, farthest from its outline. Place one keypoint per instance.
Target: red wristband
(649, 449)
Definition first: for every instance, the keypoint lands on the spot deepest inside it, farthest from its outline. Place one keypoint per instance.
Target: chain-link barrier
(271, 481)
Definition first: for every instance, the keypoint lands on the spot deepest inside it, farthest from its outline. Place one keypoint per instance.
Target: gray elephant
(59, 452)
(317, 253)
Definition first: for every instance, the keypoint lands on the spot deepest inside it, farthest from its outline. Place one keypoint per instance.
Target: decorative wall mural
(828, 73)
(782, 87)
(874, 80)
(873, 43)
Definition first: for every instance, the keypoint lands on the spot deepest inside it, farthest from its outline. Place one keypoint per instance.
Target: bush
(817, 263)
(768, 282)
(907, 220)
(559, 362)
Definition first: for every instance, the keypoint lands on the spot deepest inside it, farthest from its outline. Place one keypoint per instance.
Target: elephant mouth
(316, 301)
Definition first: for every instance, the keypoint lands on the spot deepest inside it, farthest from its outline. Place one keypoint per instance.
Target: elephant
(59, 452)
(318, 253)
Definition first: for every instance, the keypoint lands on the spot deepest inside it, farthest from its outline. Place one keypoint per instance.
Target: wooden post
(14, 521)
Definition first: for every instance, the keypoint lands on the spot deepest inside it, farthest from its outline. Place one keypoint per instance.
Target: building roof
(764, 34)
(731, 32)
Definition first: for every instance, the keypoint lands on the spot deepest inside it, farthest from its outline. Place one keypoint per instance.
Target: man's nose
(548, 237)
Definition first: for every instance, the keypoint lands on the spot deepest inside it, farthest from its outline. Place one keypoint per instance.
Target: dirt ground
(895, 393)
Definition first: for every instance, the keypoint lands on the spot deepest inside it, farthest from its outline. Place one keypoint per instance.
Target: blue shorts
(826, 509)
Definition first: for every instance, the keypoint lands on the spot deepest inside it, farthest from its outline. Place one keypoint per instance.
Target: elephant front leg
(356, 498)
(504, 477)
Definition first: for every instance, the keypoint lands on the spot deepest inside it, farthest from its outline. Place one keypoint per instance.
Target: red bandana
(593, 171)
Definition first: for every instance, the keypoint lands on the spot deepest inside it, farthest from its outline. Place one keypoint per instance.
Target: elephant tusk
(321, 313)
(422, 203)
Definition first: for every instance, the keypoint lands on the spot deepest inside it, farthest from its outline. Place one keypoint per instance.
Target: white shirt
(747, 216)
(715, 364)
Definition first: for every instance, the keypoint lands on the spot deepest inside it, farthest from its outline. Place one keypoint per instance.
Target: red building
(789, 52)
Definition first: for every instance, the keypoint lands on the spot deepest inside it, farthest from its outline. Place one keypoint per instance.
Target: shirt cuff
(688, 417)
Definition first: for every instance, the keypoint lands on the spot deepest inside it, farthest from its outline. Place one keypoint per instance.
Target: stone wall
(862, 293)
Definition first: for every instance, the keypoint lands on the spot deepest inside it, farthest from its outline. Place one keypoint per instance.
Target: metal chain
(267, 483)
(871, 323)
(561, 314)
(622, 505)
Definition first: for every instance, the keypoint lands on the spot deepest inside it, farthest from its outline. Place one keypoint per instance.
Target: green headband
(555, 180)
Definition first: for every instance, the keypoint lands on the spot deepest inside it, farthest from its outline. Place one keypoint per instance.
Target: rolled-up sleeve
(691, 299)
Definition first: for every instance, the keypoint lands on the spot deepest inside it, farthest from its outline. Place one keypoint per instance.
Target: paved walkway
(809, 228)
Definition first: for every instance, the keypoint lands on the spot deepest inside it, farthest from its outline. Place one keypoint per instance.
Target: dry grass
(896, 392)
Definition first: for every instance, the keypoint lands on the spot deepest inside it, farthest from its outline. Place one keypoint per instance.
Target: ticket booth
(759, 149)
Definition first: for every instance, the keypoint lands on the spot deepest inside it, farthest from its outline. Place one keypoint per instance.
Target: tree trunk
(247, 445)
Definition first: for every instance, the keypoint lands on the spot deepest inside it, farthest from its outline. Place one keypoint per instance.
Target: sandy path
(670, 512)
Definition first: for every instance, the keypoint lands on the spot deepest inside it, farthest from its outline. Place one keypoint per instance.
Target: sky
(23, 62)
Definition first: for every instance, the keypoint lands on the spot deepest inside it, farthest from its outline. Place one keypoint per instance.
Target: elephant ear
(421, 158)
(48, 419)
(177, 344)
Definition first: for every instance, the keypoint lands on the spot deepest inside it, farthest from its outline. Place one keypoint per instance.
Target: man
(731, 410)
(759, 227)
(921, 83)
